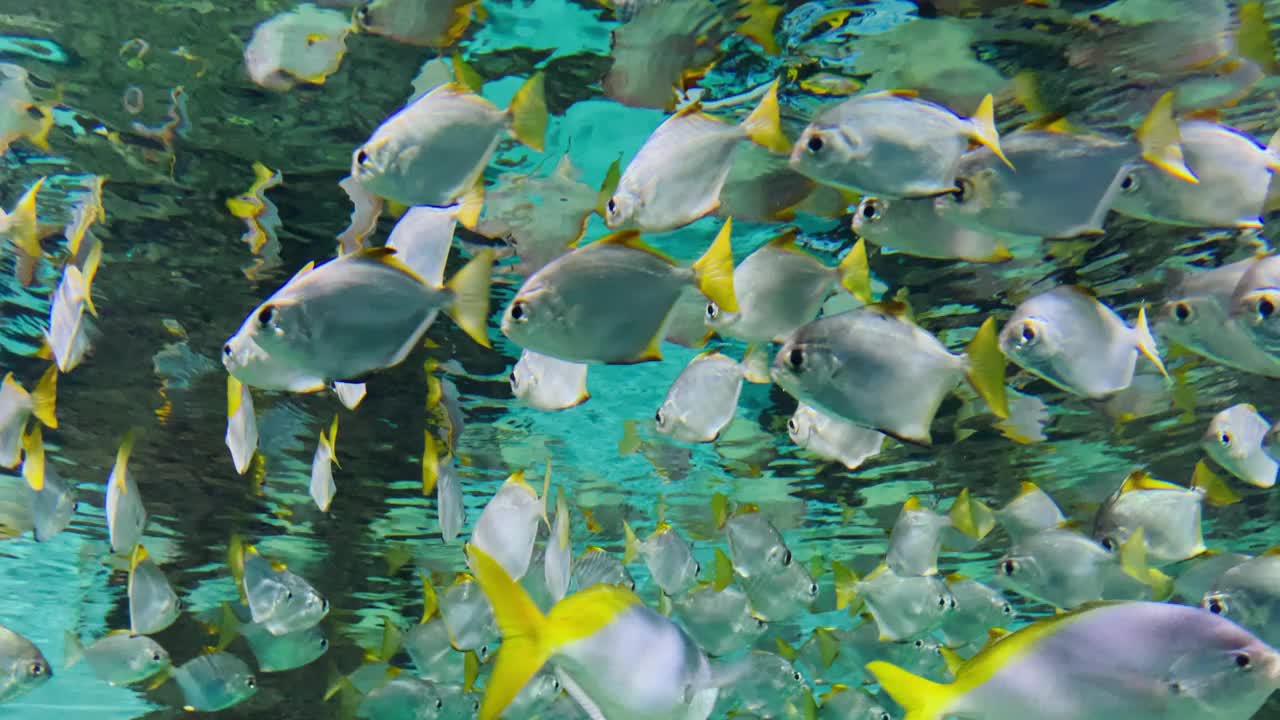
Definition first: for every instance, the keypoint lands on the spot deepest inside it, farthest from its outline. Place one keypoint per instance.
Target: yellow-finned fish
(215, 682)
(667, 555)
(832, 438)
(1197, 315)
(22, 665)
(467, 615)
(153, 605)
(549, 383)
(1066, 569)
(20, 115)
(1248, 593)
(126, 515)
(719, 620)
(1168, 514)
(433, 151)
(279, 599)
(17, 406)
(303, 45)
(905, 606)
(892, 144)
(1031, 511)
(322, 487)
(702, 400)
(614, 655)
(1234, 439)
(119, 658)
(1139, 660)
(913, 226)
(915, 540)
(427, 23)
(242, 426)
(20, 228)
(609, 302)
(508, 525)
(352, 316)
(677, 175)
(557, 561)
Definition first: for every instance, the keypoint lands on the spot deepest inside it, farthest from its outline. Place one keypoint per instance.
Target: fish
(549, 383)
(348, 318)
(23, 667)
(1067, 569)
(304, 45)
(433, 655)
(667, 555)
(614, 655)
(782, 593)
(1234, 440)
(979, 608)
(905, 607)
(1138, 659)
(215, 682)
(720, 621)
(242, 426)
(1169, 515)
(662, 47)
(768, 686)
(21, 229)
(781, 287)
(17, 406)
(414, 22)
(119, 658)
(1249, 594)
(69, 330)
(468, 615)
(1071, 339)
(756, 546)
(846, 703)
(853, 365)
(913, 226)
(1031, 511)
(153, 605)
(676, 176)
(596, 566)
(915, 540)
(126, 515)
(508, 525)
(322, 461)
(832, 438)
(1197, 315)
(433, 150)
(557, 562)
(423, 235)
(279, 599)
(403, 697)
(1254, 301)
(350, 394)
(21, 116)
(278, 653)
(451, 512)
(52, 506)
(574, 307)
(702, 400)
(893, 144)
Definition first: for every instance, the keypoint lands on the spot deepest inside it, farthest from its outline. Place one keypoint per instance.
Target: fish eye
(659, 417)
(1009, 567)
(919, 644)
(792, 427)
(713, 311)
(885, 716)
(798, 677)
(942, 601)
(265, 316)
(1129, 183)
(1182, 312)
(1225, 438)
(631, 585)
(226, 349)
(1216, 606)
(1266, 308)
(362, 13)
(518, 311)
(871, 210)
(1028, 333)
(961, 190)
(37, 669)
(251, 682)
(951, 602)
(1006, 609)
(761, 624)
(1243, 661)
(475, 706)
(1107, 544)
(611, 206)
(795, 358)
(786, 557)
(362, 157)
(324, 643)
(439, 703)
(483, 652)
(815, 143)
(813, 588)
(155, 657)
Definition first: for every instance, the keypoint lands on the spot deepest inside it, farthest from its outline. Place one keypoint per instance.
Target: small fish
(432, 653)
(768, 686)
(52, 506)
(1249, 593)
(17, 406)
(468, 615)
(557, 562)
(20, 228)
(609, 302)
(596, 566)
(22, 665)
(720, 621)
(437, 24)
(755, 545)
(1154, 661)
(303, 45)
(892, 144)
(1063, 186)
(668, 557)
(326, 456)
(450, 510)
(153, 605)
(126, 517)
(661, 47)
(20, 115)
(433, 151)
(278, 653)
(614, 655)
(1168, 514)
(1031, 511)
(1067, 569)
(350, 394)
(69, 328)
(979, 608)
(905, 607)
(279, 600)
(242, 426)
(781, 594)
(1234, 440)
(1069, 338)
(353, 315)
(1197, 315)
(1254, 302)
(702, 400)
(873, 367)
(845, 703)
(915, 540)
(402, 698)
(676, 176)
(781, 287)
(832, 438)
(913, 226)
(119, 658)
(215, 682)
(549, 383)
(508, 525)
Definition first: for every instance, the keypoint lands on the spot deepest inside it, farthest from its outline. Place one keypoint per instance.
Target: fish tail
(1133, 560)
(1253, 37)
(44, 399)
(755, 364)
(1162, 142)
(631, 544)
(1212, 487)
(855, 272)
(922, 699)
(467, 211)
(524, 645)
(72, 649)
(23, 225)
(984, 128)
(759, 18)
(1146, 342)
(33, 458)
(764, 125)
(470, 288)
(528, 112)
(971, 517)
(986, 368)
(714, 270)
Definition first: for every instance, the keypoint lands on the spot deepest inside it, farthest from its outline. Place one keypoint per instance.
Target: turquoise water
(172, 259)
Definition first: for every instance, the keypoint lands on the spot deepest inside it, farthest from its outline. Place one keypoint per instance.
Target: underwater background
(153, 95)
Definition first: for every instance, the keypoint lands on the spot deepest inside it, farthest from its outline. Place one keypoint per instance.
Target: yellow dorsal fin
(1161, 142)
(714, 270)
(855, 272)
(1142, 480)
(385, 256)
(986, 368)
(631, 239)
(44, 399)
(786, 240)
(137, 557)
(122, 461)
(912, 504)
(724, 571)
(33, 458)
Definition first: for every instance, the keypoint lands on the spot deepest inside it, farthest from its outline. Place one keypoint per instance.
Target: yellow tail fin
(469, 206)
(470, 288)
(986, 368)
(764, 125)
(759, 19)
(33, 458)
(44, 399)
(23, 226)
(1210, 484)
(522, 625)
(528, 112)
(922, 699)
(631, 544)
(972, 517)
(1161, 141)
(714, 270)
(984, 128)
(855, 272)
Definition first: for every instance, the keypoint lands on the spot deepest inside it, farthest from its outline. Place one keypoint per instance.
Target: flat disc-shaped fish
(702, 400)
(832, 438)
(153, 605)
(215, 682)
(23, 667)
(913, 226)
(549, 383)
(280, 600)
(1234, 439)
(1197, 315)
(1249, 593)
(123, 659)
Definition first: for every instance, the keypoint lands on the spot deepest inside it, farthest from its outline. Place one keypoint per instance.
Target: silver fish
(1168, 514)
(905, 607)
(153, 605)
(508, 525)
(1249, 593)
(215, 682)
(126, 516)
(303, 45)
(702, 400)
(280, 600)
(119, 658)
(913, 226)
(1197, 315)
(915, 540)
(549, 383)
(22, 665)
(1234, 440)
(831, 438)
